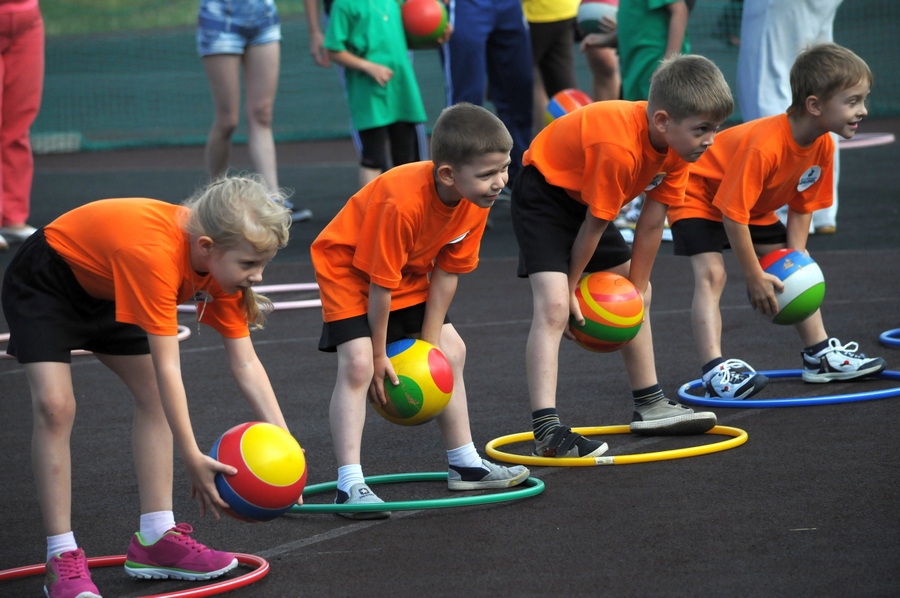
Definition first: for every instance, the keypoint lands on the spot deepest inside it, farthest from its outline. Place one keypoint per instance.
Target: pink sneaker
(176, 555)
(68, 576)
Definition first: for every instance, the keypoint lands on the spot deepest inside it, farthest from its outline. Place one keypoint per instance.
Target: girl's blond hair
(240, 208)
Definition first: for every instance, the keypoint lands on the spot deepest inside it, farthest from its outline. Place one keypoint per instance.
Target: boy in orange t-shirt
(579, 171)
(733, 191)
(387, 267)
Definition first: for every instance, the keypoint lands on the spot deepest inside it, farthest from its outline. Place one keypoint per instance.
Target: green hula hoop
(739, 437)
(530, 487)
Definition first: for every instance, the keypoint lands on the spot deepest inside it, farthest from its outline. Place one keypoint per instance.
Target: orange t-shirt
(602, 156)
(392, 233)
(755, 168)
(133, 251)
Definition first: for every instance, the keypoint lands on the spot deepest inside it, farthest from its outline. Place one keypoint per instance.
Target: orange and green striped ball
(426, 383)
(271, 471)
(613, 312)
(564, 102)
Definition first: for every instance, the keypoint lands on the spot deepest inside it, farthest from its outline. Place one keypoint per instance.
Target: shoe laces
(730, 373)
(182, 535)
(850, 349)
(72, 565)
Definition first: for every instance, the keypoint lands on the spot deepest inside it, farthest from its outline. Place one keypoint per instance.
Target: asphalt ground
(806, 507)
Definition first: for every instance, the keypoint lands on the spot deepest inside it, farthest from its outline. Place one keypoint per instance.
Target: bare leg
(812, 330)
(454, 419)
(53, 408)
(151, 435)
(223, 73)
(347, 413)
(604, 65)
(640, 363)
(706, 317)
(550, 291)
(261, 64)
(367, 175)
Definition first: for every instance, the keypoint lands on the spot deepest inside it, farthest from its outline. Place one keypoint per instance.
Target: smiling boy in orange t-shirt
(733, 191)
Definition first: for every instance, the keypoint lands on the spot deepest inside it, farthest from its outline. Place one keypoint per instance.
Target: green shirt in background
(373, 29)
(643, 30)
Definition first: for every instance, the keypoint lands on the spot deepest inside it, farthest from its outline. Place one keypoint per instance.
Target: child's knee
(55, 410)
(357, 369)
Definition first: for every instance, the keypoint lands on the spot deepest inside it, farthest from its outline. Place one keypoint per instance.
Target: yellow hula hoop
(738, 437)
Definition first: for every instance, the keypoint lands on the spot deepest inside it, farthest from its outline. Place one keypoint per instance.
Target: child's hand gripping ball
(424, 21)
(613, 312)
(426, 383)
(564, 102)
(804, 284)
(271, 471)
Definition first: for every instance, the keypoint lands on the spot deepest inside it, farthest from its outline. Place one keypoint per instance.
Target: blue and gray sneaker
(732, 379)
(839, 362)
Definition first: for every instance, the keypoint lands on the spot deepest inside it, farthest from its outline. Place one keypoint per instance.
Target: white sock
(61, 543)
(464, 456)
(349, 475)
(154, 525)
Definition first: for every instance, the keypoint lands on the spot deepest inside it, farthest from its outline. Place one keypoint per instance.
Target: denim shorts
(229, 26)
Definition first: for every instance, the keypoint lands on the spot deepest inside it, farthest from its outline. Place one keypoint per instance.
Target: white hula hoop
(184, 333)
(271, 289)
(867, 140)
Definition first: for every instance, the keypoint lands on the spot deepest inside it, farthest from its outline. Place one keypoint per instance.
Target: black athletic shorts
(553, 53)
(546, 221)
(403, 323)
(50, 314)
(692, 236)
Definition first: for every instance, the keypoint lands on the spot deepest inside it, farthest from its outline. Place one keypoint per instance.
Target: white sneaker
(839, 362)
(733, 380)
(17, 234)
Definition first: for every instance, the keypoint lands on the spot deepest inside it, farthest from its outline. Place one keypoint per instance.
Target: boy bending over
(579, 171)
(733, 192)
(387, 268)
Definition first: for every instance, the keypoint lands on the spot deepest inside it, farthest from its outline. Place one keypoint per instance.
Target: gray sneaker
(667, 418)
(487, 476)
(360, 494)
(564, 443)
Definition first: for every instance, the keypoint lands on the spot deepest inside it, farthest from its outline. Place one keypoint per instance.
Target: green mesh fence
(125, 73)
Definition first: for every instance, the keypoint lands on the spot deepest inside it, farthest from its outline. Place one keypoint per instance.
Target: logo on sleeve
(459, 238)
(809, 178)
(656, 181)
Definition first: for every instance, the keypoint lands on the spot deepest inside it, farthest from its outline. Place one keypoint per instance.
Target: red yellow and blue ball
(564, 102)
(804, 284)
(424, 21)
(271, 471)
(426, 383)
(613, 312)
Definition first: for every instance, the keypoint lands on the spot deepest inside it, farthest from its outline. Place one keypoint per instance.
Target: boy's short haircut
(464, 132)
(823, 70)
(690, 85)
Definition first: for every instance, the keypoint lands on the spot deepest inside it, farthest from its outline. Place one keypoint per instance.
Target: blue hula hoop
(890, 338)
(869, 395)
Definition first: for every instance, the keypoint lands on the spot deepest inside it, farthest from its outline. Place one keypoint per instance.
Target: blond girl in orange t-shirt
(107, 277)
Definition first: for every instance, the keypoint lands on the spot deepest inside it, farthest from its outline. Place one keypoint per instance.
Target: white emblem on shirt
(809, 178)
(656, 181)
(459, 238)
